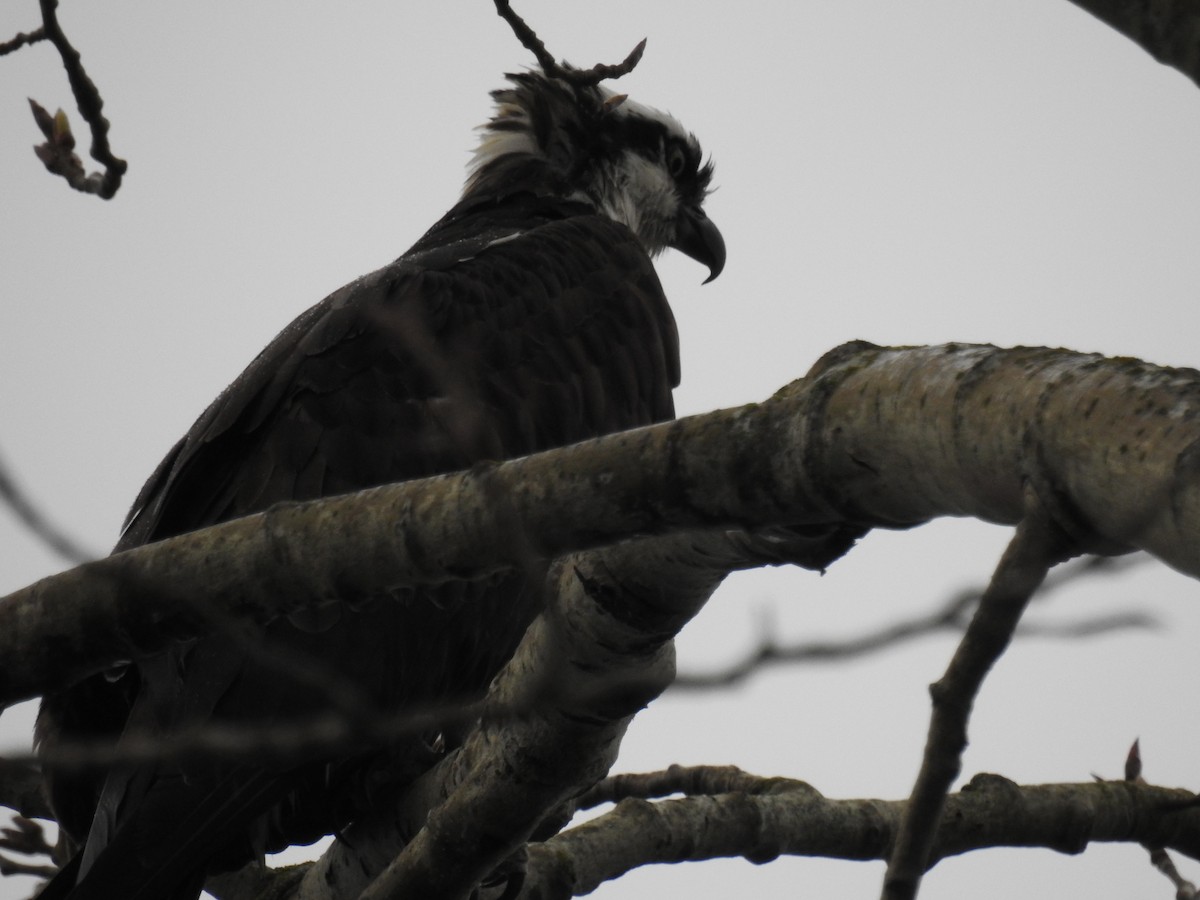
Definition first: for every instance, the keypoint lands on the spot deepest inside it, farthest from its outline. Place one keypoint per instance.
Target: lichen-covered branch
(598, 656)
(784, 817)
(872, 437)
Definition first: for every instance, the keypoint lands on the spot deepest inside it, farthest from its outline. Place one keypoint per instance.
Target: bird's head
(636, 165)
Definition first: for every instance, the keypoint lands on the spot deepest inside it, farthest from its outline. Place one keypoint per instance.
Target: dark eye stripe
(654, 141)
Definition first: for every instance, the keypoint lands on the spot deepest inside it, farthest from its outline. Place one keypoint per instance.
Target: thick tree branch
(571, 653)
(591, 662)
(783, 817)
(597, 73)
(1159, 858)
(872, 436)
(1169, 30)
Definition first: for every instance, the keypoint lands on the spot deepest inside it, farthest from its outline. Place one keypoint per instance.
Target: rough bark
(785, 817)
(872, 437)
(597, 657)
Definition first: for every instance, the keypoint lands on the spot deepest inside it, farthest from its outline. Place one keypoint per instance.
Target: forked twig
(57, 153)
(597, 73)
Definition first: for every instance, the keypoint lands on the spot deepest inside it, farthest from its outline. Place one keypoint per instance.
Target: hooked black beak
(698, 237)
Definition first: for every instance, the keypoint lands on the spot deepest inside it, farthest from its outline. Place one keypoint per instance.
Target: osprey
(529, 317)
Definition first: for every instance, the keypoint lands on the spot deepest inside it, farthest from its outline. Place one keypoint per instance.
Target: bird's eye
(676, 160)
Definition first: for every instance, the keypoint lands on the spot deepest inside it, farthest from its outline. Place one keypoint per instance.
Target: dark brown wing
(506, 331)
(548, 338)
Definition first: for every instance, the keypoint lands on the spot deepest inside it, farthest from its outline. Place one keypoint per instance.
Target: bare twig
(599, 654)
(32, 518)
(57, 152)
(952, 616)
(1184, 889)
(1038, 544)
(10, 866)
(27, 837)
(616, 612)
(21, 39)
(594, 75)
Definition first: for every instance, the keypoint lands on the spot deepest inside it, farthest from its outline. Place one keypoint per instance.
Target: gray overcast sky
(909, 173)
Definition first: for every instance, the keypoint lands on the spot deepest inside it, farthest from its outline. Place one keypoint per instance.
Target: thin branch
(39, 524)
(616, 611)
(1184, 889)
(952, 616)
(1159, 858)
(57, 152)
(21, 39)
(1039, 543)
(27, 837)
(786, 817)
(341, 729)
(1087, 628)
(597, 73)
(10, 866)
